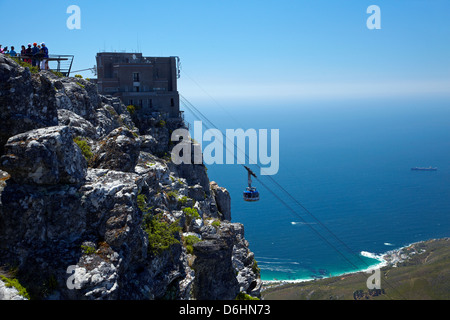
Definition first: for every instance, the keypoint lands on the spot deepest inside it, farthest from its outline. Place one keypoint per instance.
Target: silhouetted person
(29, 53)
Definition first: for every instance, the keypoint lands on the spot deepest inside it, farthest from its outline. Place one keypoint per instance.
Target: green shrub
(81, 85)
(79, 76)
(84, 146)
(87, 249)
(172, 195)
(183, 201)
(216, 224)
(189, 241)
(244, 296)
(255, 268)
(26, 65)
(57, 73)
(131, 109)
(191, 213)
(12, 282)
(141, 202)
(161, 123)
(161, 234)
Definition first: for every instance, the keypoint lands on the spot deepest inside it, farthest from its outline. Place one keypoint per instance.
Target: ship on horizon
(424, 169)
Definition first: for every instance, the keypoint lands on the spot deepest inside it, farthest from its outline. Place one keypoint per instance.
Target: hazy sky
(252, 49)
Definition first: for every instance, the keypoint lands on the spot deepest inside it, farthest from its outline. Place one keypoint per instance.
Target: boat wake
(294, 223)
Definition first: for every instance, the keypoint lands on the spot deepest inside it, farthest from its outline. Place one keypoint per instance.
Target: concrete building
(149, 83)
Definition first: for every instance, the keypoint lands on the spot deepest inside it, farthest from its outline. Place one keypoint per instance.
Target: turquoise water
(348, 163)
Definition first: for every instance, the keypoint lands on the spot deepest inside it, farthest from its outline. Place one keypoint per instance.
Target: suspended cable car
(250, 193)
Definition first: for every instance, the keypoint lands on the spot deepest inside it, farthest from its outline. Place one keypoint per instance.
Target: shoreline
(389, 258)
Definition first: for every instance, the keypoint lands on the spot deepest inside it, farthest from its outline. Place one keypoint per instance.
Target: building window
(172, 102)
(150, 103)
(136, 76)
(130, 102)
(140, 103)
(135, 89)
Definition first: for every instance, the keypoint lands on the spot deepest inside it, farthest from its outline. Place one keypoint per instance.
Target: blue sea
(348, 163)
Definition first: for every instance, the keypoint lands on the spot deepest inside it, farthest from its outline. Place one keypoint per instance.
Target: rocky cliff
(91, 206)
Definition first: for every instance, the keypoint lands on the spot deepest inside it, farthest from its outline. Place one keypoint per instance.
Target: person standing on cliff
(28, 52)
(12, 53)
(34, 53)
(23, 52)
(44, 53)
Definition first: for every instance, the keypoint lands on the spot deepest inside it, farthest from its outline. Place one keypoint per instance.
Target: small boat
(424, 169)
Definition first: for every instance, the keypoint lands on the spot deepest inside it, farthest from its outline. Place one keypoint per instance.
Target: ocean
(346, 166)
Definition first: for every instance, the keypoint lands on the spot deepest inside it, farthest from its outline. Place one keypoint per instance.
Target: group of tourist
(36, 55)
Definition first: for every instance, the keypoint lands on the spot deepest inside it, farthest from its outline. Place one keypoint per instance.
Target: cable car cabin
(251, 194)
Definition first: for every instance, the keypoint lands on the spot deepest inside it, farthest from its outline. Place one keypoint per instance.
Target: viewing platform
(56, 62)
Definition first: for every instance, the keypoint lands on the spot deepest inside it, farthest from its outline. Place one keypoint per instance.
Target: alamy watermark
(374, 21)
(228, 149)
(374, 281)
(72, 282)
(74, 20)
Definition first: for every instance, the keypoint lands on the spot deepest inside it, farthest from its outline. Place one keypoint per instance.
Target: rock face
(46, 156)
(223, 200)
(27, 102)
(107, 218)
(119, 150)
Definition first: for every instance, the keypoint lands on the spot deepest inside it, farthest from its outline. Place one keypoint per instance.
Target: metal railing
(60, 63)
(56, 62)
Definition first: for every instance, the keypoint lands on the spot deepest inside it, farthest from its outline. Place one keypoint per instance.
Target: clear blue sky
(256, 48)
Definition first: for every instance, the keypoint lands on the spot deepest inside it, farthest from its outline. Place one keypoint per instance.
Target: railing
(60, 63)
(55, 62)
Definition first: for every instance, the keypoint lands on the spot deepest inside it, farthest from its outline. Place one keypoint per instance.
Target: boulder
(77, 95)
(80, 126)
(118, 151)
(46, 156)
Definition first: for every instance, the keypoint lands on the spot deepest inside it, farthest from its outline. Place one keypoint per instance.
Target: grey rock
(27, 101)
(79, 126)
(9, 293)
(223, 200)
(215, 278)
(119, 150)
(44, 156)
(77, 95)
(150, 144)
